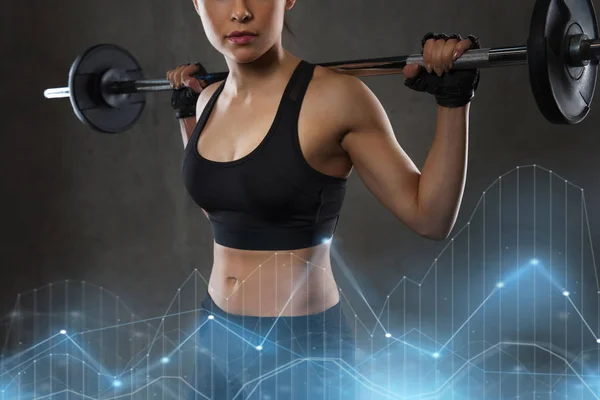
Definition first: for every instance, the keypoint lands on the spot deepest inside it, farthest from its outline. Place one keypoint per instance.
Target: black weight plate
(563, 93)
(85, 86)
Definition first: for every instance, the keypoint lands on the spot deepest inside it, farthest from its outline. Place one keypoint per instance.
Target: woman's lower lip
(241, 39)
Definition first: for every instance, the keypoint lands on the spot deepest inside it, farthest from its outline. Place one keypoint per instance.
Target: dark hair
(287, 28)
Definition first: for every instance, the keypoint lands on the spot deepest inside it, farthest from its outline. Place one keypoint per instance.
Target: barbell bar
(107, 88)
(480, 58)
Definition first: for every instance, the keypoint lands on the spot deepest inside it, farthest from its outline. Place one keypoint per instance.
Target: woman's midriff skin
(267, 283)
(274, 283)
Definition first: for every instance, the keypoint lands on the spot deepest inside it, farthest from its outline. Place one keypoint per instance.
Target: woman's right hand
(184, 76)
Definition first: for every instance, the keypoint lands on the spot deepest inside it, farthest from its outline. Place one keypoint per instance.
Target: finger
(428, 54)
(448, 54)
(179, 77)
(461, 47)
(188, 76)
(438, 52)
(170, 76)
(195, 84)
(184, 74)
(190, 69)
(411, 70)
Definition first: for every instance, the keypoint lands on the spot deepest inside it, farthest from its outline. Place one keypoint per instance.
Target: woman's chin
(244, 57)
(244, 54)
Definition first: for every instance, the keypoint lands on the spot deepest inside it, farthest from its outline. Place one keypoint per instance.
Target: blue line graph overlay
(508, 310)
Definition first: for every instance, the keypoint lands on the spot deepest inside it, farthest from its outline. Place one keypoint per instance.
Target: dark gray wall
(112, 210)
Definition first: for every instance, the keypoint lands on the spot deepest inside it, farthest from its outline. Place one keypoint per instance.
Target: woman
(267, 159)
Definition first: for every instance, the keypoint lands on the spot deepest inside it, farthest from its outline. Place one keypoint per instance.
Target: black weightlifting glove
(184, 99)
(184, 102)
(455, 88)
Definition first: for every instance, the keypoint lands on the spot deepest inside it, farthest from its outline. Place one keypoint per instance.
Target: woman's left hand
(439, 56)
(451, 87)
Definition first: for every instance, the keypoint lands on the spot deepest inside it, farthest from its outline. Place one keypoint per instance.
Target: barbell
(107, 89)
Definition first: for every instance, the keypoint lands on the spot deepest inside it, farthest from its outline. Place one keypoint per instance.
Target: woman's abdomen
(265, 283)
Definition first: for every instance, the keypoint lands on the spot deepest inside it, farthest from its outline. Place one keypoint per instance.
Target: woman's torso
(273, 282)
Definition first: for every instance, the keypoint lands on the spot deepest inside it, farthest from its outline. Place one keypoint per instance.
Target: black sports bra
(270, 199)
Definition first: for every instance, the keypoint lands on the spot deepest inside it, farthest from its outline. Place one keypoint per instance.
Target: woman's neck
(269, 69)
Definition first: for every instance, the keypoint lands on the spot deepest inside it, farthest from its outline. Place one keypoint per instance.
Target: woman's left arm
(442, 182)
(428, 201)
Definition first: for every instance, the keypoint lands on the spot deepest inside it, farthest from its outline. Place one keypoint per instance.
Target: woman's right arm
(180, 77)
(187, 125)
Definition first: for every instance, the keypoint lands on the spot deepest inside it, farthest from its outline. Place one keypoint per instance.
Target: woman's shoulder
(329, 76)
(337, 85)
(346, 103)
(340, 102)
(205, 96)
(209, 90)
(344, 94)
